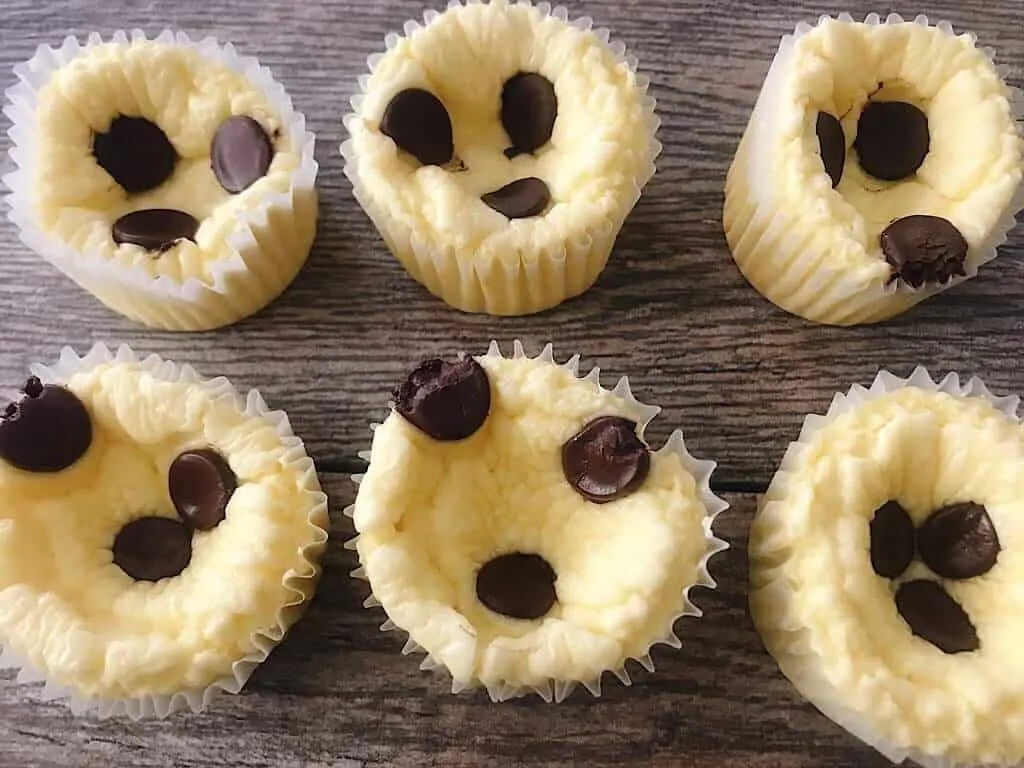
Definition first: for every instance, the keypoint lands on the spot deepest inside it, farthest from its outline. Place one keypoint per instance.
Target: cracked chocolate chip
(892, 541)
(529, 108)
(153, 548)
(155, 229)
(520, 199)
(959, 542)
(936, 617)
(47, 430)
(832, 142)
(606, 460)
(892, 139)
(419, 124)
(200, 484)
(924, 250)
(136, 153)
(447, 401)
(240, 154)
(520, 586)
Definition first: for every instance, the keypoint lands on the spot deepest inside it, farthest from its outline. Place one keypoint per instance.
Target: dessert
(159, 533)
(884, 560)
(498, 149)
(172, 179)
(882, 165)
(516, 525)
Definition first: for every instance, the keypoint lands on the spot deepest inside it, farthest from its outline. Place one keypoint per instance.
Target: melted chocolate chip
(155, 229)
(447, 401)
(959, 542)
(529, 108)
(136, 153)
(418, 123)
(518, 586)
(892, 139)
(153, 548)
(240, 153)
(892, 541)
(520, 199)
(200, 484)
(47, 430)
(936, 617)
(832, 142)
(924, 250)
(606, 460)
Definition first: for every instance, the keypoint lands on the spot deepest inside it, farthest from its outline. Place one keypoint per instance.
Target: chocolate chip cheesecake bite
(498, 148)
(159, 533)
(514, 522)
(884, 563)
(882, 165)
(172, 179)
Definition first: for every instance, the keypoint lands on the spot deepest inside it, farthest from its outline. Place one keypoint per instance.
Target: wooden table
(671, 311)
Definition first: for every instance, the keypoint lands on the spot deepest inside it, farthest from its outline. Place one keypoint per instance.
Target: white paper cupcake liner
(555, 690)
(301, 586)
(531, 279)
(269, 244)
(779, 267)
(798, 665)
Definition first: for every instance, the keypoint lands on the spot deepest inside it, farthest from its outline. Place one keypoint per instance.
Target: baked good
(172, 179)
(159, 533)
(884, 560)
(882, 165)
(516, 525)
(498, 149)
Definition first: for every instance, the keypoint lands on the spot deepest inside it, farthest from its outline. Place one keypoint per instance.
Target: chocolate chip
(606, 460)
(418, 123)
(936, 617)
(959, 542)
(200, 484)
(155, 229)
(892, 540)
(892, 139)
(520, 199)
(529, 108)
(518, 586)
(153, 548)
(832, 142)
(240, 153)
(924, 250)
(47, 430)
(447, 401)
(136, 153)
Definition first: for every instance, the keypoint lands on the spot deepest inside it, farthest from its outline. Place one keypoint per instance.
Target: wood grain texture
(338, 692)
(671, 311)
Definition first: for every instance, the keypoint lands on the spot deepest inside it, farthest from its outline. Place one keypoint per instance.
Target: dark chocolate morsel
(936, 617)
(520, 199)
(924, 250)
(153, 548)
(47, 430)
(959, 542)
(200, 484)
(155, 229)
(418, 123)
(892, 139)
(519, 586)
(447, 401)
(529, 108)
(832, 142)
(892, 540)
(136, 153)
(240, 153)
(606, 460)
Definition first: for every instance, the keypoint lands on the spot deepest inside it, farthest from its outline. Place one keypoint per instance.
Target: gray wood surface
(671, 311)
